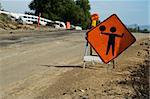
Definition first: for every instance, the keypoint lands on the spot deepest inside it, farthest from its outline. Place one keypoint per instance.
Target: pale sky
(130, 11)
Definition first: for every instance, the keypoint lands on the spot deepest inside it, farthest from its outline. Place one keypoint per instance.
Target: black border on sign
(103, 22)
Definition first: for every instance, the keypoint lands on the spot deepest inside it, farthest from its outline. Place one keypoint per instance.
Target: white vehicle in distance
(78, 28)
(30, 19)
(59, 25)
(44, 21)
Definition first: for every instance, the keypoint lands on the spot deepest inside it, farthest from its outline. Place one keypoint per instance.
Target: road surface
(29, 61)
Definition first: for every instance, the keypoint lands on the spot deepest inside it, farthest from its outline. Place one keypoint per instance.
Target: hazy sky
(130, 11)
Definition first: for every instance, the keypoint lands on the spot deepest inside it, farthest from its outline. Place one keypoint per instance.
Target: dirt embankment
(128, 80)
(7, 24)
(140, 76)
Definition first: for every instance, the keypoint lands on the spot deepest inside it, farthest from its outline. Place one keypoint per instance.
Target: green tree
(85, 6)
(63, 10)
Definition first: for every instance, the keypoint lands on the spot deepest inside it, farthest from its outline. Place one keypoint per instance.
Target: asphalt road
(26, 56)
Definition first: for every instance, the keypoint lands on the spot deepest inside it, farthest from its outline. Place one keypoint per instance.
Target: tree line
(77, 12)
(138, 30)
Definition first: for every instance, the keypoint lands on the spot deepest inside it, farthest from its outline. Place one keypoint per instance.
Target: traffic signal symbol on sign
(110, 38)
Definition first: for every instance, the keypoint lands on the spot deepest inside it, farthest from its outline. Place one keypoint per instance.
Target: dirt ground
(48, 65)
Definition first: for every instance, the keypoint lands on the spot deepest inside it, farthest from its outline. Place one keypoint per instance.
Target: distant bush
(29, 13)
(146, 31)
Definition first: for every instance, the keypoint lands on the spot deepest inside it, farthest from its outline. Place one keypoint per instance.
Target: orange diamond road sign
(110, 38)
